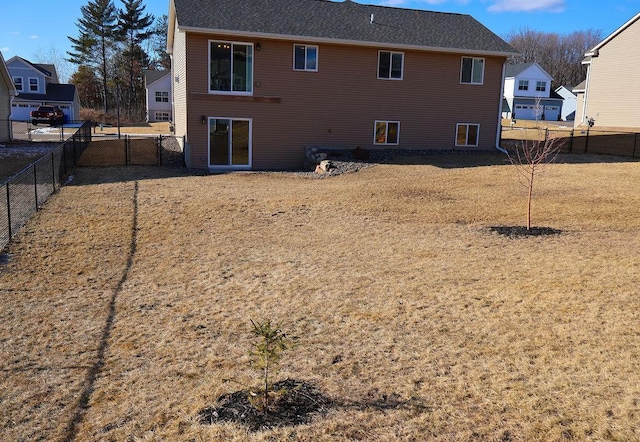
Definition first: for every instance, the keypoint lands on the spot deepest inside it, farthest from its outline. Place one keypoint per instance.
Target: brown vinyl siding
(337, 105)
(614, 84)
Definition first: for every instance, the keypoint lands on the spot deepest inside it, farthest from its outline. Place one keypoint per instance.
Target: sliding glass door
(229, 142)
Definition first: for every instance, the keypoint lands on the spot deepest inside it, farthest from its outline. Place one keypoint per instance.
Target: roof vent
(371, 19)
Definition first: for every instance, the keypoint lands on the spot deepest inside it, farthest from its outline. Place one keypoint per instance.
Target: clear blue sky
(37, 28)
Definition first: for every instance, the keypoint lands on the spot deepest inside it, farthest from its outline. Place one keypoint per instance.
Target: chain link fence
(26, 191)
(583, 140)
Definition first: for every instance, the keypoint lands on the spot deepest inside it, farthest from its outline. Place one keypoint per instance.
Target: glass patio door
(229, 142)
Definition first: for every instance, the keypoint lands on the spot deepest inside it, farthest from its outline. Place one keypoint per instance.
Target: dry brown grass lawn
(417, 322)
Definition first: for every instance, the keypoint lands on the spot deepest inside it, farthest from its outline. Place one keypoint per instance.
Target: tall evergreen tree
(97, 37)
(161, 59)
(134, 30)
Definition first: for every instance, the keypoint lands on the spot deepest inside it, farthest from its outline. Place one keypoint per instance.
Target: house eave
(594, 52)
(282, 37)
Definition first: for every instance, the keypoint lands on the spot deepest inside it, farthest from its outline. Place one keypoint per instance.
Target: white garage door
(21, 112)
(551, 113)
(525, 112)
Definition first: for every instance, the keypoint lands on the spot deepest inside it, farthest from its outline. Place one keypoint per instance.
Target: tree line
(560, 55)
(113, 48)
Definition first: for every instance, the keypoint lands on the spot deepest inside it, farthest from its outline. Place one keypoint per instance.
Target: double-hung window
(33, 85)
(541, 86)
(230, 67)
(523, 85)
(162, 96)
(390, 65)
(17, 82)
(305, 58)
(472, 70)
(386, 132)
(467, 134)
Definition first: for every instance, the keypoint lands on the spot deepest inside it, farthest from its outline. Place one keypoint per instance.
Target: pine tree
(161, 59)
(97, 37)
(134, 30)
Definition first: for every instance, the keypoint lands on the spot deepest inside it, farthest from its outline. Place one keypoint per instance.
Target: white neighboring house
(159, 97)
(7, 92)
(37, 85)
(524, 85)
(569, 103)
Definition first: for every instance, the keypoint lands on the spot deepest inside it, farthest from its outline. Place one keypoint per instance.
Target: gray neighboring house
(158, 95)
(528, 94)
(7, 92)
(36, 85)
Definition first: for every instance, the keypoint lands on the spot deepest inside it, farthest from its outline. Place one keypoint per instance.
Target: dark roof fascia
(256, 35)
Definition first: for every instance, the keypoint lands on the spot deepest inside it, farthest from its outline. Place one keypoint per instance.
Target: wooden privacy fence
(595, 141)
(123, 152)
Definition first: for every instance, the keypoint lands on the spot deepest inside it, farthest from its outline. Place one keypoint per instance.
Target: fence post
(127, 150)
(53, 171)
(35, 185)
(586, 142)
(571, 142)
(546, 135)
(9, 210)
(635, 143)
(160, 150)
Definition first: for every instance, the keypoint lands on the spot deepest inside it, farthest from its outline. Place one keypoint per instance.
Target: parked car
(47, 114)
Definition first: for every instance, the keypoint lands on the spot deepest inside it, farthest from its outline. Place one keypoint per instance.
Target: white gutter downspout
(499, 131)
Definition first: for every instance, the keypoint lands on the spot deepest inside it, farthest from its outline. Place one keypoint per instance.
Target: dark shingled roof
(151, 75)
(345, 21)
(55, 92)
(514, 69)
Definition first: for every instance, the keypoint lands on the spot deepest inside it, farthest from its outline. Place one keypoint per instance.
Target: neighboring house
(569, 102)
(527, 94)
(37, 84)
(255, 83)
(7, 91)
(158, 95)
(611, 93)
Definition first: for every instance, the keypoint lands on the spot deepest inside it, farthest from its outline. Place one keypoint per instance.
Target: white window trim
(157, 113)
(21, 83)
(472, 63)
(390, 63)
(375, 124)
(539, 84)
(230, 167)
(37, 84)
(305, 57)
(161, 94)
(253, 54)
(467, 144)
(523, 81)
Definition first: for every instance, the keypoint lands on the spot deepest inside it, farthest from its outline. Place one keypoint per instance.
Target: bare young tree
(531, 156)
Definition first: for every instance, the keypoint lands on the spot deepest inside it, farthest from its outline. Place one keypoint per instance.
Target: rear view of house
(254, 83)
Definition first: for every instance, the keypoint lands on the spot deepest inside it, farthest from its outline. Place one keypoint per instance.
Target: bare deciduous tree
(531, 156)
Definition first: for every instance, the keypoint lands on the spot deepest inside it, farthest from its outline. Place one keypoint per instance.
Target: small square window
(305, 58)
(472, 71)
(523, 85)
(17, 82)
(387, 132)
(162, 97)
(390, 65)
(467, 134)
(541, 86)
